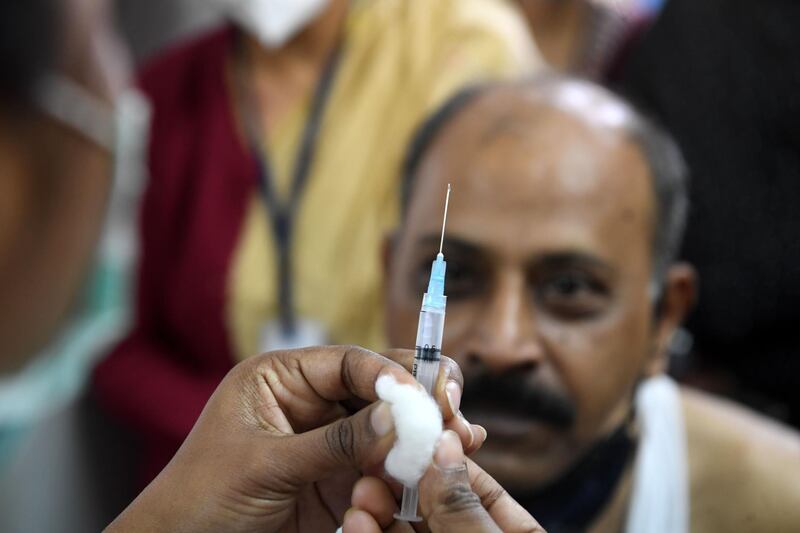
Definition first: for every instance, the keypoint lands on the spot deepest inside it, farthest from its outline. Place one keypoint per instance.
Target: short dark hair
(670, 176)
(28, 36)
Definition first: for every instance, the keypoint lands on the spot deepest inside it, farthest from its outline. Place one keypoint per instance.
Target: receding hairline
(518, 109)
(584, 102)
(514, 107)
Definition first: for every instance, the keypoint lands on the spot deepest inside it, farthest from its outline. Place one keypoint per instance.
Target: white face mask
(58, 373)
(272, 22)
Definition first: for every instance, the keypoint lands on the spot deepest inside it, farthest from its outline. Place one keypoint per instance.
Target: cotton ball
(418, 425)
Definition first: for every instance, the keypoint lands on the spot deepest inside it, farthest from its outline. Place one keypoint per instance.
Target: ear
(678, 298)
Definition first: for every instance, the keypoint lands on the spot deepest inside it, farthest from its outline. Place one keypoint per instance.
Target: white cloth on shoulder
(660, 497)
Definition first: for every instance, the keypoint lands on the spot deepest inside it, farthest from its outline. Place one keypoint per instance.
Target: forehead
(529, 177)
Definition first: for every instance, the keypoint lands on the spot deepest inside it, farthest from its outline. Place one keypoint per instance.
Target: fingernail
(344, 520)
(449, 453)
(381, 419)
(469, 429)
(484, 433)
(453, 391)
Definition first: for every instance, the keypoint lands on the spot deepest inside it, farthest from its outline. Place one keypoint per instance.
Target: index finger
(449, 372)
(333, 373)
(504, 510)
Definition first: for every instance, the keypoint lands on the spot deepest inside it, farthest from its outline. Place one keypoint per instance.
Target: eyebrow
(451, 244)
(567, 259)
(550, 260)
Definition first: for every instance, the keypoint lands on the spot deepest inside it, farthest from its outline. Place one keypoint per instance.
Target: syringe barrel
(426, 367)
(429, 346)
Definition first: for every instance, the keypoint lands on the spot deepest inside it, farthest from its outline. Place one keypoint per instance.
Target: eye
(572, 294)
(568, 285)
(463, 279)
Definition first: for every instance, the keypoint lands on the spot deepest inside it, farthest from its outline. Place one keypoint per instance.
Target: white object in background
(273, 22)
(306, 332)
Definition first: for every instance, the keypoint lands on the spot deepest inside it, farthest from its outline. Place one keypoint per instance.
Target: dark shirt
(724, 77)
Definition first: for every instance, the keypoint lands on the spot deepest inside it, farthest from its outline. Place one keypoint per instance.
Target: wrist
(157, 509)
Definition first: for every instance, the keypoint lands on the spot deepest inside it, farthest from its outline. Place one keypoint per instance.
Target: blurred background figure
(723, 77)
(274, 168)
(590, 38)
(68, 124)
(149, 27)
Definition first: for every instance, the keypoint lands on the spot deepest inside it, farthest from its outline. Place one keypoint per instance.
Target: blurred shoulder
(744, 467)
(497, 23)
(502, 13)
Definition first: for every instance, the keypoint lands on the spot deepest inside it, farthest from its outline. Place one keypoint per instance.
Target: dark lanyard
(282, 215)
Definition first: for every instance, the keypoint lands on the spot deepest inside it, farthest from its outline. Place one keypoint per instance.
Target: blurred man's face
(548, 245)
(54, 189)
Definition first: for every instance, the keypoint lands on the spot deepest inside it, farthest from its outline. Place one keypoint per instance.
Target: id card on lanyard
(287, 330)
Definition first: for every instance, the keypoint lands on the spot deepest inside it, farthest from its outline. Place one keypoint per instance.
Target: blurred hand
(274, 449)
(456, 495)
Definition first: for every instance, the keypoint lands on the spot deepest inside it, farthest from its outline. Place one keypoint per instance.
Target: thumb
(447, 500)
(355, 442)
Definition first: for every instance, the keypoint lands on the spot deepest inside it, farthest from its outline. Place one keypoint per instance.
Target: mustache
(513, 393)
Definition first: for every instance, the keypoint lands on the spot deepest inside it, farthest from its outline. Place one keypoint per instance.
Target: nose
(505, 335)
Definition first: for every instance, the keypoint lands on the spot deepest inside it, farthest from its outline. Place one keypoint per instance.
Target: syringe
(428, 350)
